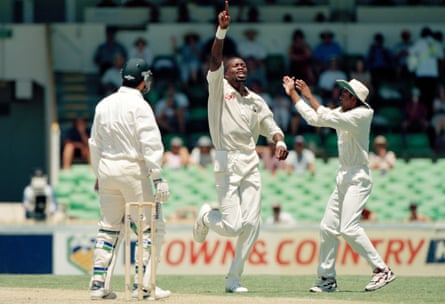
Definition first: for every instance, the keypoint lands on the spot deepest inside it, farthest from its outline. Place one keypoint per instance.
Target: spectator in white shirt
(300, 160)
(280, 217)
(203, 153)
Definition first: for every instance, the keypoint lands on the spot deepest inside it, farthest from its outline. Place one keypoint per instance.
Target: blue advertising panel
(30, 254)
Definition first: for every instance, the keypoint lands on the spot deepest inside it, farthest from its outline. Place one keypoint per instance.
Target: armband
(221, 33)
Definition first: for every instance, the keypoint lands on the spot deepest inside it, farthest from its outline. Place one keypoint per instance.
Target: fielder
(237, 116)
(352, 121)
(126, 152)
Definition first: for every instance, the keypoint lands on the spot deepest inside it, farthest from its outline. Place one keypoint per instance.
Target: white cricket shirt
(352, 128)
(236, 121)
(124, 128)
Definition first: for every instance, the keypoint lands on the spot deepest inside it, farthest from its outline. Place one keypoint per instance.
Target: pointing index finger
(227, 6)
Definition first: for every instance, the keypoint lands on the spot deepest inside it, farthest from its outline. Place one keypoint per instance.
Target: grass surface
(404, 290)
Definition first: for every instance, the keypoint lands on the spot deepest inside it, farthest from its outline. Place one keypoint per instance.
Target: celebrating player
(237, 116)
(126, 153)
(352, 122)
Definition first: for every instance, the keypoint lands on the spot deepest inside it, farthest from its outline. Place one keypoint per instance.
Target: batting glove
(161, 186)
(162, 190)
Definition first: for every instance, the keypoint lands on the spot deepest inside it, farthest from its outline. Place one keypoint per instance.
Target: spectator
(381, 159)
(257, 72)
(190, 55)
(360, 72)
(255, 54)
(107, 51)
(301, 159)
(250, 47)
(183, 12)
(328, 48)
(166, 69)
(268, 160)
(171, 111)
(178, 156)
(380, 62)
(111, 80)
(203, 154)
(76, 143)
(183, 215)
(39, 199)
(328, 77)
(141, 50)
(253, 14)
(428, 53)
(280, 217)
(438, 120)
(415, 216)
(438, 36)
(415, 114)
(401, 51)
(298, 124)
(300, 57)
(259, 88)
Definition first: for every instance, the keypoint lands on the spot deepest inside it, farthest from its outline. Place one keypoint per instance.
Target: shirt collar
(231, 91)
(129, 90)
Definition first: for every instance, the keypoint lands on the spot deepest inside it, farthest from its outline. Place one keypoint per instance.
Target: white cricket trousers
(342, 218)
(238, 186)
(121, 181)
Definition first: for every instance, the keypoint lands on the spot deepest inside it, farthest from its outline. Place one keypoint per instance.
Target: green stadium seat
(418, 145)
(330, 146)
(389, 117)
(305, 197)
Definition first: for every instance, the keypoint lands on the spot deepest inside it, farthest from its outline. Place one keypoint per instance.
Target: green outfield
(262, 288)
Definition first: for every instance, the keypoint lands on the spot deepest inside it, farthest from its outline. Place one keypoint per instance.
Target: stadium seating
(419, 180)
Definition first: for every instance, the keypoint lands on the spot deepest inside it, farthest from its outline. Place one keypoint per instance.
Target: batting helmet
(134, 71)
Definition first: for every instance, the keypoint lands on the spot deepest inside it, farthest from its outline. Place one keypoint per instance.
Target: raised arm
(216, 56)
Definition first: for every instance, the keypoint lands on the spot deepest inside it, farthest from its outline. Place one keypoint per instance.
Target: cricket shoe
(324, 285)
(98, 292)
(200, 230)
(159, 294)
(235, 287)
(380, 278)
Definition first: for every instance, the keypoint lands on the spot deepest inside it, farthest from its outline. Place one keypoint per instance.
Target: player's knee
(326, 230)
(234, 229)
(350, 232)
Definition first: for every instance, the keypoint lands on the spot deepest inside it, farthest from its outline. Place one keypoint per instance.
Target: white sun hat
(356, 88)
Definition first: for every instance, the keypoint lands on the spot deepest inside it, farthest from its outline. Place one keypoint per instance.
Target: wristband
(220, 33)
(281, 143)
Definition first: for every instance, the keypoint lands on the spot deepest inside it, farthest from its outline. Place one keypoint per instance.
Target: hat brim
(344, 84)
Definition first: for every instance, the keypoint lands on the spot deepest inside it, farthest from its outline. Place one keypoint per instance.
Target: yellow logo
(81, 251)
